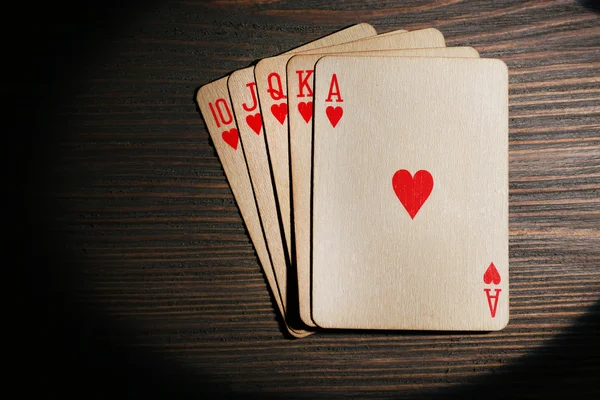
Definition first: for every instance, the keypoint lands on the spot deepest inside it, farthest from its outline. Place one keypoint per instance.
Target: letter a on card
(334, 113)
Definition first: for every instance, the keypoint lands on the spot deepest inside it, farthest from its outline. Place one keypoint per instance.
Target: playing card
(271, 86)
(300, 75)
(410, 193)
(242, 89)
(213, 100)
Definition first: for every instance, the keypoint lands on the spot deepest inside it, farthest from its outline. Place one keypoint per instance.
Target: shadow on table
(78, 345)
(593, 5)
(565, 366)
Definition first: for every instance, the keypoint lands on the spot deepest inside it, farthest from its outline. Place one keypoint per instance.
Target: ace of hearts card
(410, 194)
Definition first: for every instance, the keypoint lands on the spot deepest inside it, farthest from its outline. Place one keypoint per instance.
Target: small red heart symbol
(306, 109)
(254, 122)
(279, 111)
(334, 114)
(231, 137)
(412, 192)
(491, 275)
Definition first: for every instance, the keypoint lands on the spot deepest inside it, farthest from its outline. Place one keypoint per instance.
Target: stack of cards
(372, 174)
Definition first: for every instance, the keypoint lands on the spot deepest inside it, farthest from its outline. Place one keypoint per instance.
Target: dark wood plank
(152, 286)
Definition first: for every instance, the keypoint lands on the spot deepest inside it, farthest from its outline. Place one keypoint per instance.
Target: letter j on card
(410, 193)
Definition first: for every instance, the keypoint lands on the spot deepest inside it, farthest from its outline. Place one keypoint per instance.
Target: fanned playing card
(242, 89)
(213, 100)
(251, 124)
(271, 87)
(410, 195)
(244, 100)
(300, 75)
(215, 105)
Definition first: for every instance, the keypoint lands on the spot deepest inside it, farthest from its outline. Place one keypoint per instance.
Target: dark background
(139, 276)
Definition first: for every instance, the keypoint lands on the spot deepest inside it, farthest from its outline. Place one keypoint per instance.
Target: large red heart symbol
(279, 111)
(412, 192)
(231, 137)
(305, 109)
(491, 275)
(334, 114)
(254, 122)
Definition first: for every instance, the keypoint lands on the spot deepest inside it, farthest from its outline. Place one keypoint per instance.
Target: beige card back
(300, 132)
(410, 194)
(271, 85)
(242, 89)
(213, 100)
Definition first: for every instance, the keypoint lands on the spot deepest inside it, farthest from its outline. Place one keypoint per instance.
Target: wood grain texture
(147, 281)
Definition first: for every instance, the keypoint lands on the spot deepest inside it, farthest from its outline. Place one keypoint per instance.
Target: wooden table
(145, 279)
